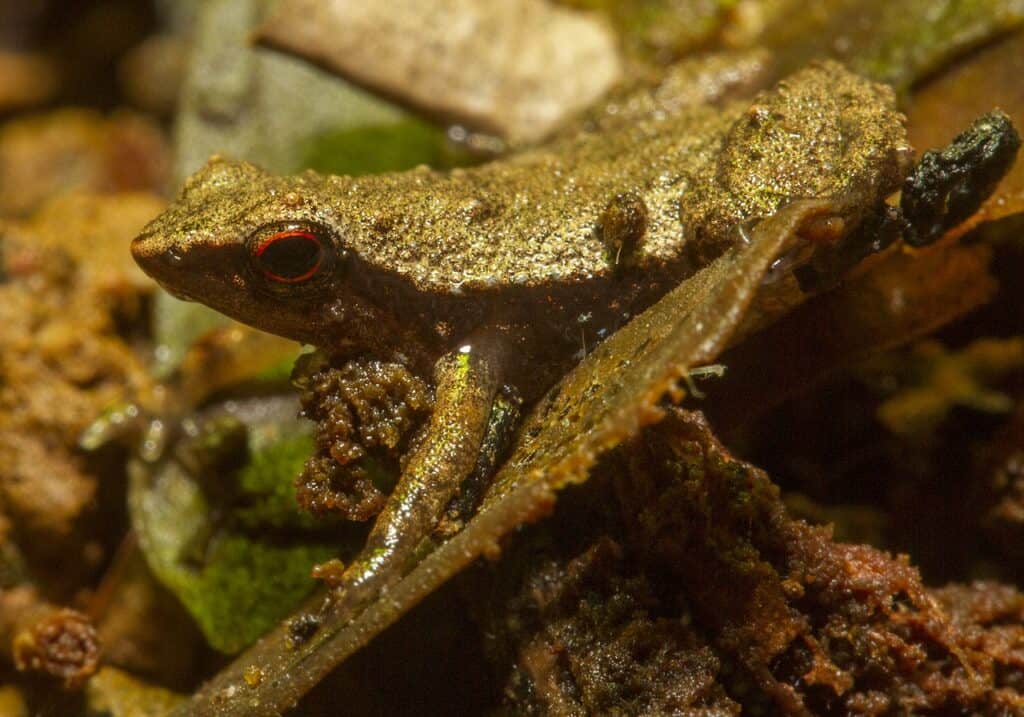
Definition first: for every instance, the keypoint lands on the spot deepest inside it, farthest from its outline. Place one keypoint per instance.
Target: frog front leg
(467, 381)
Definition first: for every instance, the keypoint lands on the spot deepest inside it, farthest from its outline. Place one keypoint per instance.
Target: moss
(279, 372)
(247, 587)
(232, 545)
(267, 484)
(383, 148)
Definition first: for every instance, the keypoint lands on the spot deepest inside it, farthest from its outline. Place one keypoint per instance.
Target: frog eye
(290, 256)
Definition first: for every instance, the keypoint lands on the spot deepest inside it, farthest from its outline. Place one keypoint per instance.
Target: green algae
(267, 488)
(246, 587)
(386, 147)
(233, 546)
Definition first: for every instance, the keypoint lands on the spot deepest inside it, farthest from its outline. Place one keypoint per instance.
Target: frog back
(664, 193)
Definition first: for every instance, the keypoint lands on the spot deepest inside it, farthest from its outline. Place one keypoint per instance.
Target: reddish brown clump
(61, 644)
(585, 634)
(366, 413)
(817, 627)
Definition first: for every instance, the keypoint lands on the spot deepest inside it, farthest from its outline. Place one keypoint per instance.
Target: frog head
(268, 251)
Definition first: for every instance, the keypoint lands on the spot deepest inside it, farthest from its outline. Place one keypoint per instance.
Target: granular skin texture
(842, 144)
(364, 411)
(710, 78)
(529, 221)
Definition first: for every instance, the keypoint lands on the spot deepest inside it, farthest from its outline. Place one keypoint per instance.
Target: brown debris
(26, 80)
(820, 627)
(507, 68)
(331, 573)
(1003, 485)
(938, 380)
(587, 637)
(365, 414)
(94, 229)
(152, 73)
(897, 43)
(44, 491)
(708, 585)
(990, 619)
(662, 31)
(117, 693)
(893, 299)
(49, 154)
(143, 628)
(63, 364)
(54, 641)
(12, 702)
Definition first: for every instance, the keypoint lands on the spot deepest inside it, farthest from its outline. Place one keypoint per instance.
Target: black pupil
(291, 256)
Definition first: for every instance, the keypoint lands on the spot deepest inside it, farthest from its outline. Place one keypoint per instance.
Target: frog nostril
(173, 256)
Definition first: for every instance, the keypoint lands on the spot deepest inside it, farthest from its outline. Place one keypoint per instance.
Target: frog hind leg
(467, 381)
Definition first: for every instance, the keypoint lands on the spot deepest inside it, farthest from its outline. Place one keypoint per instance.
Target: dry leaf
(508, 68)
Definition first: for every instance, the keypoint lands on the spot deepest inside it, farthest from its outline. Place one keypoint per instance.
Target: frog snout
(162, 265)
(160, 261)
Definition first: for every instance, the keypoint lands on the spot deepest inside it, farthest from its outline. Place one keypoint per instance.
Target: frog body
(431, 255)
(504, 273)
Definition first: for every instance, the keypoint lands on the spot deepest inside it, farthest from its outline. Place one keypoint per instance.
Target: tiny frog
(502, 274)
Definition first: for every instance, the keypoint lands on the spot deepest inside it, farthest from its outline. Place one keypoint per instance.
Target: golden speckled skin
(522, 235)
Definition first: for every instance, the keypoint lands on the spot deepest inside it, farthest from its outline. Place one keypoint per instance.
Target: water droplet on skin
(253, 676)
(457, 133)
(744, 236)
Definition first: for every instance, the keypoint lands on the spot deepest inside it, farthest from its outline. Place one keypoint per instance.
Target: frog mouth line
(176, 292)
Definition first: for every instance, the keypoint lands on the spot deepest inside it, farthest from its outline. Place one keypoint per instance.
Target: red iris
(290, 256)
